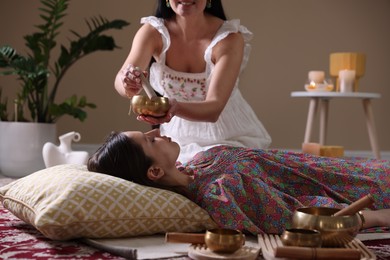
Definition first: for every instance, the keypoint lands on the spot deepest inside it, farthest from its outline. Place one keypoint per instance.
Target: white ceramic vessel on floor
(21, 147)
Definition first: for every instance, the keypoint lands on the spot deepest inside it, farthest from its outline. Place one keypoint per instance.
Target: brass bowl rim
(224, 231)
(332, 211)
(146, 97)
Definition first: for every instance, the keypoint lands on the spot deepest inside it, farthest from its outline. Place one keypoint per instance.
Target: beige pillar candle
(317, 76)
(347, 79)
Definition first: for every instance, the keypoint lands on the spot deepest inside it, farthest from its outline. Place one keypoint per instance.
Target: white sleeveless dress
(237, 125)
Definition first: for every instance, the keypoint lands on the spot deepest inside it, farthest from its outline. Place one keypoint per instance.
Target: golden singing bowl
(222, 240)
(142, 105)
(335, 231)
(301, 237)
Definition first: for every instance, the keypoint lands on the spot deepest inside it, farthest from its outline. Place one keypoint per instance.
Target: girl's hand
(131, 80)
(160, 120)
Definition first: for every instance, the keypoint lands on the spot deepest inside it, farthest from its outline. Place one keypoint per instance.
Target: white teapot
(63, 154)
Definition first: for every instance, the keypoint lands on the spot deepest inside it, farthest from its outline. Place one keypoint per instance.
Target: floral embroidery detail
(184, 88)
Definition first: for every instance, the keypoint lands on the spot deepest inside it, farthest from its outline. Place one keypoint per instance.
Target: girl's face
(161, 149)
(187, 7)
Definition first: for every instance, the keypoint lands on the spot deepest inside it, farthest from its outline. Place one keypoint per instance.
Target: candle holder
(317, 82)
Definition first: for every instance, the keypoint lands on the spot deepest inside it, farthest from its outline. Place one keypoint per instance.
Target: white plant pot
(21, 147)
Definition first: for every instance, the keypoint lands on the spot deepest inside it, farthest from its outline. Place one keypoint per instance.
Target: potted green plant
(37, 93)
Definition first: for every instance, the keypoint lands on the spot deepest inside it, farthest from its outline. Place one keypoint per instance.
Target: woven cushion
(68, 201)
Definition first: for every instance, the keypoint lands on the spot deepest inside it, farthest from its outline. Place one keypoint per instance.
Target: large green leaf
(73, 107)
(92, 42)
(35, 68)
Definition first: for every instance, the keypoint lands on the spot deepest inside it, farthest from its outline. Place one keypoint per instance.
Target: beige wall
(291, 38)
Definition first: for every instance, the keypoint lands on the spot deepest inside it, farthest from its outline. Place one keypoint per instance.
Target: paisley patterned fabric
(258, 190)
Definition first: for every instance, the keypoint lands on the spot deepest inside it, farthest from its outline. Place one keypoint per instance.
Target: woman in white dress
(197, 57)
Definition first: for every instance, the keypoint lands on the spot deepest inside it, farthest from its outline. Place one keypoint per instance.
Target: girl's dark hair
(165, 12)
(121, 157)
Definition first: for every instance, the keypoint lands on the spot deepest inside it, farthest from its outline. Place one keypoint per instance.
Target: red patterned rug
(381, 248)
(19, 240)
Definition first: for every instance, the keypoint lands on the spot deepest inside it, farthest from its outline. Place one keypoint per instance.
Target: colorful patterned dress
(237, 125)
(258, 190)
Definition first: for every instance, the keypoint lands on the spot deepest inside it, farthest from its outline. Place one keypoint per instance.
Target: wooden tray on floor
(268, 243)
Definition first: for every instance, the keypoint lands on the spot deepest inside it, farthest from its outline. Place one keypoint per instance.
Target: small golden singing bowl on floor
(142, 105)
(336, 231)
(301, 237)
(222, 240)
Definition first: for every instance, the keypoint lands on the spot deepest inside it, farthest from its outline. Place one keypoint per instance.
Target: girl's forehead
(133, 134)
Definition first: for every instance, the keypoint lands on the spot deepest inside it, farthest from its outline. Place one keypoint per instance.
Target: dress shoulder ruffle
(158, 24)
(232, 26)
(228, 27)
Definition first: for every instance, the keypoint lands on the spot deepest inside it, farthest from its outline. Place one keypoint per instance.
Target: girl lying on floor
(252, 190)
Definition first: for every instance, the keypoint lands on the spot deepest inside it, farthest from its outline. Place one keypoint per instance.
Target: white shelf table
(321, 100)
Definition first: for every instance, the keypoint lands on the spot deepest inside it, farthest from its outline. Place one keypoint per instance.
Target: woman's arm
(375, 218)
(227, 56)
(146, 43)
